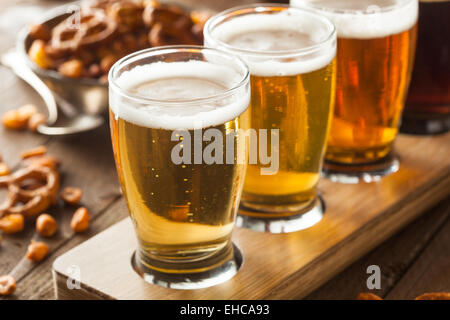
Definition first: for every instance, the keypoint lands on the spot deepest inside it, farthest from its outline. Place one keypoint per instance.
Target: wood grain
(288, 266)
(394, 257)
(430, 272)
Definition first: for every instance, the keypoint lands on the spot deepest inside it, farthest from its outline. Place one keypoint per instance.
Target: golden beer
(376, 43)
(183, 212)
(302, 114)
(290, 54)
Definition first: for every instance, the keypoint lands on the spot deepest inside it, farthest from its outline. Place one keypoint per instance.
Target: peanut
(434, 296)
(27, 111)
(71, 195)
(14, 120)
(46, 225)
(80, 220)
(38, 151)
(367, 296)
(7, 285)
(36, 120)
(4, 169)
(37, 251)
(12, 223)
(38, 54)
(107, 62)
(71, 69)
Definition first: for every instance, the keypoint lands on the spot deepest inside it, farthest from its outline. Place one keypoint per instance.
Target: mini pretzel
(94, 28)
(168, 16)
(29, 202)
(127, 15)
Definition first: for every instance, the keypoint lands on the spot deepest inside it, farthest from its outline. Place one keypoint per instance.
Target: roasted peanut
(13, 119)
(200, 16)
(80, 220)
(71, 195)
(38, 151)
(7, 285)
(434, 296)
(4, 169)
(46, 225)
(38, 54)
(71, 69)
(94, 71)
(107, 62)
(27, 111)
(367, 296)
(36, 120)
(37, 251)
(18, 118)
(12, 223)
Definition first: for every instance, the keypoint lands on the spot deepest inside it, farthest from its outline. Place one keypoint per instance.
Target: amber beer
(428, 104)
(376, 43)
(183, 213)
(290, 54)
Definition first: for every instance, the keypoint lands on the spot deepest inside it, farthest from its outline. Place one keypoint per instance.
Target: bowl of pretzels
(74, 46)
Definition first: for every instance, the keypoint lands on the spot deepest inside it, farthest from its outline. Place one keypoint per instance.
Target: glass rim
(124, 61)
(268, 7)
(321, 7)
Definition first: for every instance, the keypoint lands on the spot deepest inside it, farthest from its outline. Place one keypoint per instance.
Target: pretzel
(127, 15)
(86, 43)
(167, 16)
(29, 202)
(94, 28)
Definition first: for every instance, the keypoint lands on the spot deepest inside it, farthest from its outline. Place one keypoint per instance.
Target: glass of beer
(427, 108)
(175, 113)
(291, 57)
(376, 43)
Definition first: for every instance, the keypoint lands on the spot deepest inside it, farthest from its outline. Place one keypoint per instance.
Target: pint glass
(291, 58)
(175, 112)
(376, 43)
(427, 109)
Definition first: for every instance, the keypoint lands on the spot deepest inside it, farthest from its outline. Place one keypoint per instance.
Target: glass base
(295, 221)
(425, 123)
(356, 173)
(195, 280)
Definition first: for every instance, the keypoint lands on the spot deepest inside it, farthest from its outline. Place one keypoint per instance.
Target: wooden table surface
(414, 261)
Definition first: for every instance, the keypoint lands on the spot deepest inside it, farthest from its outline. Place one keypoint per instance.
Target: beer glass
(291, 58)
(376, 43)
(427, 109)
(171, 111)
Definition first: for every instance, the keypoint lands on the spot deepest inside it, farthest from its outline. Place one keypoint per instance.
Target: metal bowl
(89, 96)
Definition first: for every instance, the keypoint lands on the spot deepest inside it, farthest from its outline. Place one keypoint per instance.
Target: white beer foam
(179, 115)
(366, 19)
(281, 63)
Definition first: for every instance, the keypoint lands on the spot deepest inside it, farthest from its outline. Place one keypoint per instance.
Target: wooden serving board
(283, 266)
